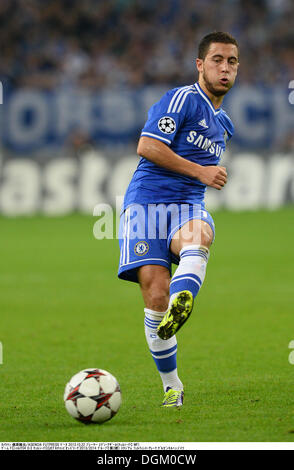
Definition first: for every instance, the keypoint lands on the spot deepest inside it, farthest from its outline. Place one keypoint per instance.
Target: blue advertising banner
(33, 120)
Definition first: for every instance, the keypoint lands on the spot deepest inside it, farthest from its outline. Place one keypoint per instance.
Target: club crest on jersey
(167, 125)
(141, 248)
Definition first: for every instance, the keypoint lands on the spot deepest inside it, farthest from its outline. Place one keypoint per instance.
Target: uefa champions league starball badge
(167, 125)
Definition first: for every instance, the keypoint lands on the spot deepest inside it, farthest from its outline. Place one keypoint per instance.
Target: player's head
(217, 62)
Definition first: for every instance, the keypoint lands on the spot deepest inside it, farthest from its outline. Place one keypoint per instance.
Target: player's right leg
(148, 262)
(154, 283)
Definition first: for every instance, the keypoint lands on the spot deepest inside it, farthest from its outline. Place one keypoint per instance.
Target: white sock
(164, 352)
(190, 273)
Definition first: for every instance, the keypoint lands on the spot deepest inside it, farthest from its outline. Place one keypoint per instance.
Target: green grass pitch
(62, 309)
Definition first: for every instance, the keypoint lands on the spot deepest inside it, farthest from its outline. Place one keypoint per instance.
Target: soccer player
(163, 219)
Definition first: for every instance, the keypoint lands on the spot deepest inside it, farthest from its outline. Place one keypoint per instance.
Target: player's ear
(199, 64)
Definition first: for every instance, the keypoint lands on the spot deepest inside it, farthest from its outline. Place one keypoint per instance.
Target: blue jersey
(185, 120)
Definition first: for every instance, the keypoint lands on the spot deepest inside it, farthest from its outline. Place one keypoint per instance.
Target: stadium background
(79, 77)
(77, 80)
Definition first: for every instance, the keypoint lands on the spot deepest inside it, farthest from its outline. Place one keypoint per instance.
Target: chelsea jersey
(185, 120)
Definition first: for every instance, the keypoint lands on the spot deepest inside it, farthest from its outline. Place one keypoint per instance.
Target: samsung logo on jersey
(204, 143)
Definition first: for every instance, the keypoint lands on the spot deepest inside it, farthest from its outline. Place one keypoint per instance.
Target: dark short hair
(217, 36)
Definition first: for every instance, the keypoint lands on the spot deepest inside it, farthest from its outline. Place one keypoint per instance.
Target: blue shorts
(146, 231)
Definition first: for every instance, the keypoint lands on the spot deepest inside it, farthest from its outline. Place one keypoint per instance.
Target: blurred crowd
(114, 43)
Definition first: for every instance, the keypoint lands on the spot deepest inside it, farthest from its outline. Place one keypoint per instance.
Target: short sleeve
(167, 115)
(227, 124)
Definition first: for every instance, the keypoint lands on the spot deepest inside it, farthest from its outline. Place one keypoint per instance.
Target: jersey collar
(205, 97)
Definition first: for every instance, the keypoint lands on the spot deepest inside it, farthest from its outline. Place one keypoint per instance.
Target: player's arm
(162, 155)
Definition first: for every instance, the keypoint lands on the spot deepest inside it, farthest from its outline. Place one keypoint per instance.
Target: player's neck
(216, 100)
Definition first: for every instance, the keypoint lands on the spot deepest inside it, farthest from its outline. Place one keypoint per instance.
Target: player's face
(219, 68)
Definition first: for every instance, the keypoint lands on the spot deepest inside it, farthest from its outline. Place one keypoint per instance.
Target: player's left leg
(191, 244)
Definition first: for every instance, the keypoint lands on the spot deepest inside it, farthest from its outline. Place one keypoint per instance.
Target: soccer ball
(92, 396)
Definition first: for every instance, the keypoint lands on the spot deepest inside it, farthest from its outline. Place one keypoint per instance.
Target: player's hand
(214, 176)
